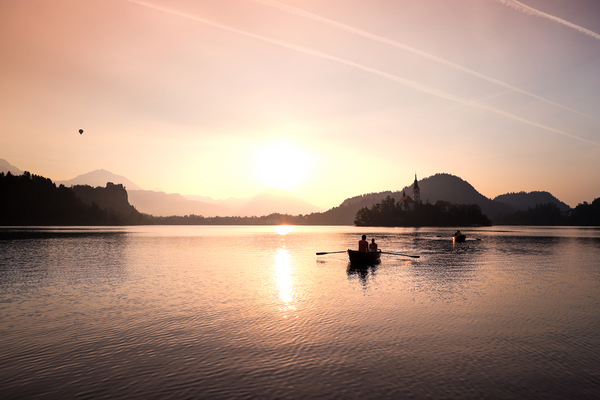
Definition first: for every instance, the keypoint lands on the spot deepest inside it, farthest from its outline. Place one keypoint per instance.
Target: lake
(238, 312)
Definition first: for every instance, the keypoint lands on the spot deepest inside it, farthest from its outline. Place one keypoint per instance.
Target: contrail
(405, 82)
(493, 96)
(380, 39)
(514, 4)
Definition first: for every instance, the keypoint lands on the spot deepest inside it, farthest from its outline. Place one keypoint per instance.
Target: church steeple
(416, 190)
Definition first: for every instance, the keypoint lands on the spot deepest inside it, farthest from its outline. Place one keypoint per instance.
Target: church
(406, 202)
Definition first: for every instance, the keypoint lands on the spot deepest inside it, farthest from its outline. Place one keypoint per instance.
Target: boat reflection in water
(362, 272)
(363, 264)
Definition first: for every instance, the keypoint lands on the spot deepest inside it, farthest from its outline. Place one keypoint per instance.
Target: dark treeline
(541, 214)
(586, 214)
(330, 217)
(34, 200)
(549, 214)
(29, 200)
(392, 213)
(272, 219)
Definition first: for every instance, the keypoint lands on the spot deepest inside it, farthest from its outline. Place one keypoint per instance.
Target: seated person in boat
(373, 245)
(363, 245)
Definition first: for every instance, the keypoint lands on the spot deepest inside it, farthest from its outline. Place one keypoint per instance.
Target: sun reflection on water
(284, 281)
(284, 229)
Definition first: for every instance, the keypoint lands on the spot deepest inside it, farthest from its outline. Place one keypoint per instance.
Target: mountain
(522, 201)
(280, 201)
(163, 204)
(5, 167)
(100, 177)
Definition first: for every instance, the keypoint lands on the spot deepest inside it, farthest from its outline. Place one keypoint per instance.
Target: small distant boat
(459, 238)
(362, 257)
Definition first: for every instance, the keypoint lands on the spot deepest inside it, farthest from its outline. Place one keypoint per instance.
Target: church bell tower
(416, 191)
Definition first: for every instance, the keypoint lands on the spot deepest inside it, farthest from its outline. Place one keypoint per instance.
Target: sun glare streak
(402, 81)
(381, 39)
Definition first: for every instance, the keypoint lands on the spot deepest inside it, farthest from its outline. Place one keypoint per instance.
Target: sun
(283, 166)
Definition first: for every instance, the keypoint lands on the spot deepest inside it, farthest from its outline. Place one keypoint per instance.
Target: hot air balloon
(80, 131)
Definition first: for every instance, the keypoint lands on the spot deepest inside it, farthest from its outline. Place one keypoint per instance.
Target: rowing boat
(362, 257)
(459, 238)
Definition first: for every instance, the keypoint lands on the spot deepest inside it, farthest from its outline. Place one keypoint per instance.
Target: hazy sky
(328, 98)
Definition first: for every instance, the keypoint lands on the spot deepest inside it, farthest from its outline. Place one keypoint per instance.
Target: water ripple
(151, 314)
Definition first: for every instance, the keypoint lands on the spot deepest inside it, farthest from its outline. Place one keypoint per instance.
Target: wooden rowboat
(459, 238)
(361, 257)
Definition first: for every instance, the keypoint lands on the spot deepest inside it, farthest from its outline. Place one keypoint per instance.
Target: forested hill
(522, 201)
(455, 190)
(29, 200)
(113, 198)
(345, 213)
(372, 198)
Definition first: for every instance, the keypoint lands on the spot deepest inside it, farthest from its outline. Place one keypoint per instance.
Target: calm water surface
(227, 312)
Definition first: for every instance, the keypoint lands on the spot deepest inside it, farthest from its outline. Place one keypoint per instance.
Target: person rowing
(363, 245)
(372, 246)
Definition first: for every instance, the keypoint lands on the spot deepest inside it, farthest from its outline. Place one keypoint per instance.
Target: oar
(330, 252)
(399, 254)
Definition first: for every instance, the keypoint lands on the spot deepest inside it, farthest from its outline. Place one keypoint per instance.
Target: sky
(326, 98)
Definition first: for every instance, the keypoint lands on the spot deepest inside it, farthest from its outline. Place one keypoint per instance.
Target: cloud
(405, 82)
(516, 5)
(380, 39)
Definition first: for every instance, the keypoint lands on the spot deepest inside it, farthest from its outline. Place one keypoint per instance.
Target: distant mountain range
(437, 187)
(267, 202)
(158, 203)
(457, 191)
(163, 204)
